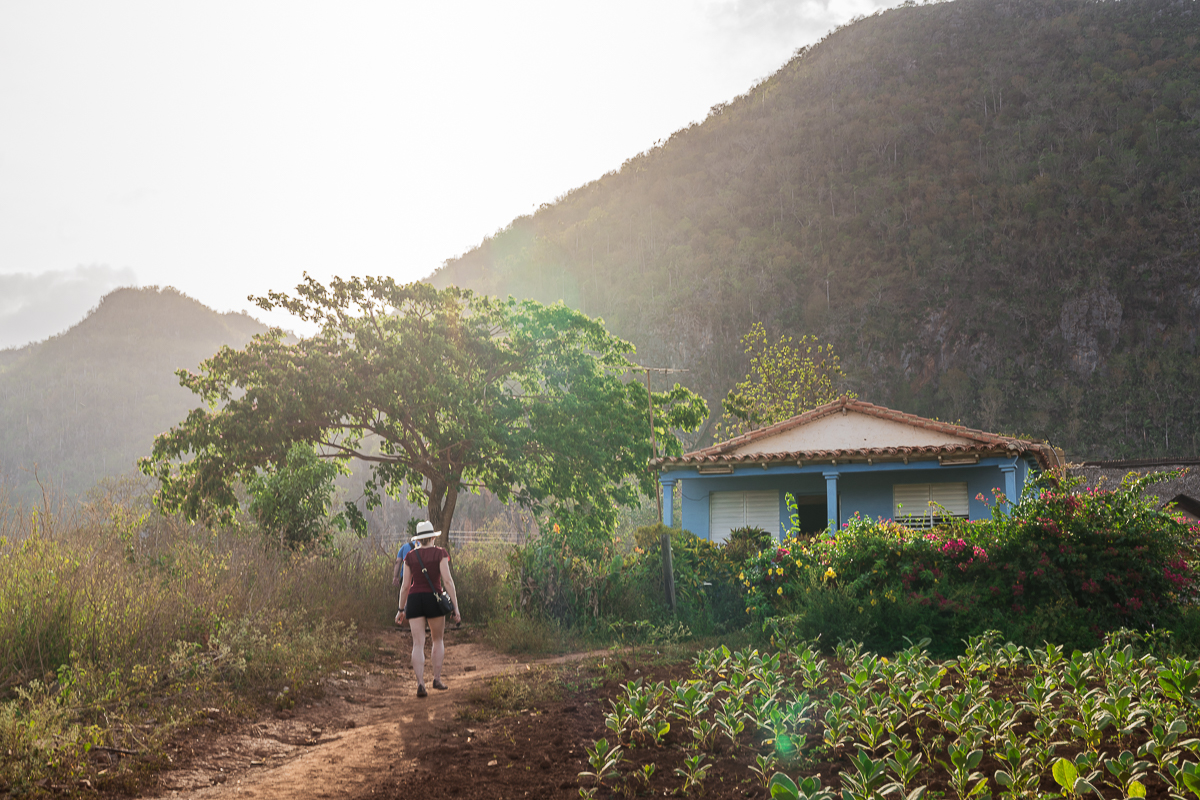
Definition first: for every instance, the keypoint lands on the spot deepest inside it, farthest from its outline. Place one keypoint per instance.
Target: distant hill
(990, 207)
(85, 404)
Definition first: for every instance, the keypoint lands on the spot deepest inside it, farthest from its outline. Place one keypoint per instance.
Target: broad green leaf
(1065, 774)
(783, 788)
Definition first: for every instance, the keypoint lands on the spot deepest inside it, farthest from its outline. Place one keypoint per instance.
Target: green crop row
(1000, 720)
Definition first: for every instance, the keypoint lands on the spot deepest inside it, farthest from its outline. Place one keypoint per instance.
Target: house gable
(850, 431)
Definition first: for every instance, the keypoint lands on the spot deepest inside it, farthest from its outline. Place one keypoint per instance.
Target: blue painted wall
(861, 488)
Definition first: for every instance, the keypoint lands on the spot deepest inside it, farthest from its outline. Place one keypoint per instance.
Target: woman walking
(426, 572)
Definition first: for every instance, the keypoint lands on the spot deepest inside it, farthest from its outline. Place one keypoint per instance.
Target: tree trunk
(443, 497)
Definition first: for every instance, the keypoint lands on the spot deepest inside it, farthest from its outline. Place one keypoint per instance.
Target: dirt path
(344, 743)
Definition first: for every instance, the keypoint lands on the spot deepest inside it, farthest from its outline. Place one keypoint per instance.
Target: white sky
(225, 148)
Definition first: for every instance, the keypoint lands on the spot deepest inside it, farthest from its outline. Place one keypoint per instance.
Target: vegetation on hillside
(990, 209)
(86, 404)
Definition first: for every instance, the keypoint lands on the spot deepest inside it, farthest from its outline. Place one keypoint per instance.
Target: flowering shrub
(1101, 559)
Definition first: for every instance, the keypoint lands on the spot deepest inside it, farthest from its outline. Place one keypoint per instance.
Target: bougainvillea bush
(1064, 564)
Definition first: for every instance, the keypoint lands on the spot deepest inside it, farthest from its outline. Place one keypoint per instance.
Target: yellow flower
(829, 574)
(779, 590)
(741, 576)
(883, 661)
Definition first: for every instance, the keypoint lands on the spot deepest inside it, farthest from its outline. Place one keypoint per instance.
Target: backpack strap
(428, 579)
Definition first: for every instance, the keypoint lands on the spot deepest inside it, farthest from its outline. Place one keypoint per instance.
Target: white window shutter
(951, 496)
(923, 505)
(762, 511)
(726, 510)
(730, 510)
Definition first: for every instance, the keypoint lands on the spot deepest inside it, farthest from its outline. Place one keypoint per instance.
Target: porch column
(831, 499)
(668, 501)
(1010, 482)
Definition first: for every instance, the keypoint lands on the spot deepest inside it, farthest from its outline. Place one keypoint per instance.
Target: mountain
(86, 404)
(991, 208)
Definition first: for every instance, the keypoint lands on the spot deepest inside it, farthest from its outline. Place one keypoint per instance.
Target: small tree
(292, 501)
(786, 378)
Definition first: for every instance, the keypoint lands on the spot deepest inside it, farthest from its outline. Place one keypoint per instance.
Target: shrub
(1064, 566)
(480, 572)
(746, 542)
(590, 590)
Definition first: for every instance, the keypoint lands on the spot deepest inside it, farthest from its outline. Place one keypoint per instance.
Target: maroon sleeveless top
(432, 558)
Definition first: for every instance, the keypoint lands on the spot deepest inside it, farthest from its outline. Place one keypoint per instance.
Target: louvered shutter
(923, 505)
(730, 510)
(950, 496)
(726, 510)
(762, 511)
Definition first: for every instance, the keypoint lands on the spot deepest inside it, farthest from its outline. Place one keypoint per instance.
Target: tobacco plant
(693, 774)
(603, 759)
(782, 787)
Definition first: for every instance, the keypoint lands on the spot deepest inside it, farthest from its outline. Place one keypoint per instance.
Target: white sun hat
(425, 531)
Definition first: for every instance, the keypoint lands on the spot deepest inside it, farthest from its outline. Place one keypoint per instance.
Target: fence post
(668, 570)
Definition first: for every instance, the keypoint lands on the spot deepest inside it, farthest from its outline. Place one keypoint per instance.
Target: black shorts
(422, 604)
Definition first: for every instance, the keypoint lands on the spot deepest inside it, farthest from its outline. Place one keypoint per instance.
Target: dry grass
(111, 614)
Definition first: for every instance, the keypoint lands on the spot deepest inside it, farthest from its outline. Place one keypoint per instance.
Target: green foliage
(908, 725)
(785, 379)
(480, 575)
(616, 590)
(438, 391)
(744, 543)
(292, 501)
(1063, 565)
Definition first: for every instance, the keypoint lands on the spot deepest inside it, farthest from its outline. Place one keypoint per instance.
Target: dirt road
(361, 738)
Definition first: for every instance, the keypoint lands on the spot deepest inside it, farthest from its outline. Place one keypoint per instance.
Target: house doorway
(811, 513)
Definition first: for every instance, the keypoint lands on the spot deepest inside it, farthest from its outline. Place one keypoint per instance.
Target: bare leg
(417, 626)
(437, 629)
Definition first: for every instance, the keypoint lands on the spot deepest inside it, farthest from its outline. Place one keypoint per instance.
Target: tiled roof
(982, 443)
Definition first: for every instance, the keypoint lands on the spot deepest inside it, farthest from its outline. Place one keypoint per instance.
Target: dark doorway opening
(811, 514)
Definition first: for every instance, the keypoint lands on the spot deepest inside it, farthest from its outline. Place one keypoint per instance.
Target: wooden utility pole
(653, 441)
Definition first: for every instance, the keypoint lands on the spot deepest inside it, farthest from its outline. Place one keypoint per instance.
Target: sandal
(437, 684)
(421, 690)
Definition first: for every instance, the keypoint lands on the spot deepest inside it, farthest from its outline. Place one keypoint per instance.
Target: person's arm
(448, 585)
(396, 571)
(405, 585)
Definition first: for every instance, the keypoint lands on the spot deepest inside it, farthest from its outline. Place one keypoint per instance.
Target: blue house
(848, 457)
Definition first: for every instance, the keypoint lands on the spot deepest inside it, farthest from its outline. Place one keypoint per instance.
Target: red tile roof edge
(720, 452)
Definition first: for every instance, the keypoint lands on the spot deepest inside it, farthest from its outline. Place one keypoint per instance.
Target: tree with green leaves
(438, 391)
(786, 378)
(293, 503)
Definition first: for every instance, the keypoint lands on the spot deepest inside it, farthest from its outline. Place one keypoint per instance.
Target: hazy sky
(225, 148)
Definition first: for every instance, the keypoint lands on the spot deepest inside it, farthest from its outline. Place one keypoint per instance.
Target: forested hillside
(85, 404)
(991, 208)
